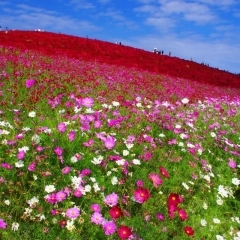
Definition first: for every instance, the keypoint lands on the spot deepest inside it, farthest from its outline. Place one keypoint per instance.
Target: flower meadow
(97, 151)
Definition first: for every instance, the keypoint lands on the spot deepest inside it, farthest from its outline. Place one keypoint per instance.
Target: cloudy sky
(206, 31)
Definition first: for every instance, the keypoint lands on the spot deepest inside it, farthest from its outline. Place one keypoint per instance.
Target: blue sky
(206, 31)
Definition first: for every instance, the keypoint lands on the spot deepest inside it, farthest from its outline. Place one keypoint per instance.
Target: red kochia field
(100, 141)
(110, 53)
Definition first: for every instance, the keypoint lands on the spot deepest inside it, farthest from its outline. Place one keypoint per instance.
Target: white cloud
(31, 18)
(161, 23)
(81, 4)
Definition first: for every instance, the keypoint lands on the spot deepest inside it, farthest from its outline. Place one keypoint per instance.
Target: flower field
(101, 141)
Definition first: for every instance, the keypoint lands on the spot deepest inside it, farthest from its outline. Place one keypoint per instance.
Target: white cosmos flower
(7, 202)
(50, 188)
(125, 153)
(115, 104)
(114, 180)
(19, 164)
(203, 222)
(216, 220)
(185, 100)
(88, 188)
(236, 181)
(136, 162)
(32, 114)
(15, 226)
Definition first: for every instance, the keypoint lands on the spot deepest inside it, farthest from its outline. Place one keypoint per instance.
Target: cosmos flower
(164, 172)
(2, 223)
(189, 231)
(115, 212)
(109, 227)
(155, 179)
(124, 232)
(111, 200)
(29, 83)
(97, 218)
(73, 213)
(141, 195)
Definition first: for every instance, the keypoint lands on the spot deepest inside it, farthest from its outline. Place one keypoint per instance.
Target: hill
(120, 55)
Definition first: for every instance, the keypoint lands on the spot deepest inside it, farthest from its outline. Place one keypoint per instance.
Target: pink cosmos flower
(58, 151)
(51, 198)
(160, 216)
(86, 172)
(96, 207)
(109, 142)
(32, 166)
(60, 196)
(182, 214)
(61, 127)
(2, 223)
(97, 218)
(232, 164)
(73, 213)
(109, 227)
(155, 179)
(141, 195)
(21, 155)
(87, 102)
(139, 183)
(71, 135)
(7, 166)
(29, 83)
(97, 124)
(66, 170)
(77, 192)
(111, 200)
(89, 143)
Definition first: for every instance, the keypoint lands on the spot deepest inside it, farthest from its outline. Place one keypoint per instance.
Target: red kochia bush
(113, 54)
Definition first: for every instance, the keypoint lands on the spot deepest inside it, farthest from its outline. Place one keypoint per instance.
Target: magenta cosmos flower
(73, 213)
(141, 195)
(2, 223)
(29, 83)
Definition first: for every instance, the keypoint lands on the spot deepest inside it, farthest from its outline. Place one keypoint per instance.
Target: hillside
(120, 55)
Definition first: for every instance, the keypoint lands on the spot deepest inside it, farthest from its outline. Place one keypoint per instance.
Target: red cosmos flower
(115, 212)
(174, 199)
(164, 172)
(182, 214)
(141, 194)
(63, 223)
(124, 232)
(189, 231)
